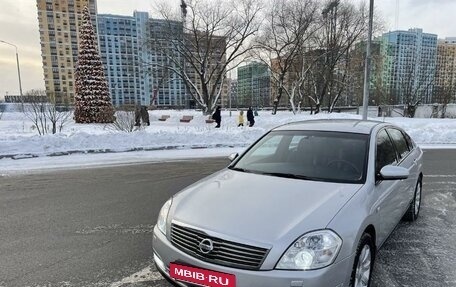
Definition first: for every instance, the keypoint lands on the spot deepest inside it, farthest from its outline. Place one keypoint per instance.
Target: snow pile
(17, 137)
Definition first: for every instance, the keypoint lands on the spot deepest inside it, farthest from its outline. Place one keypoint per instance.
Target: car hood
(256, 208)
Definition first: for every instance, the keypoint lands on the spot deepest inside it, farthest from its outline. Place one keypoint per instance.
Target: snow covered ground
(85, 145)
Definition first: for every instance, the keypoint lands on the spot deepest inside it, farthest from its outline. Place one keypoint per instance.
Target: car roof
(334, 125)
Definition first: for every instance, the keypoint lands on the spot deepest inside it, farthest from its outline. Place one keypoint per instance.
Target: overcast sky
(19, 25)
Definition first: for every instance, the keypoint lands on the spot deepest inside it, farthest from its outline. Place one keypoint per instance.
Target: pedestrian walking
(241, 119)
(250, 117)
(141, 114)
(217, 116)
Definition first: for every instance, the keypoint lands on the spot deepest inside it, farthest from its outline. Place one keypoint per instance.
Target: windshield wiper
(290, 175)
(241, 169)
(278, 174)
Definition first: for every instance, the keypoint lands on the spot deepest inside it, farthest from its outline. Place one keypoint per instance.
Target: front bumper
(336, 275)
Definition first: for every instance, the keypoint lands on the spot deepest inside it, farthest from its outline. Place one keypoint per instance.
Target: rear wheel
(364, 262)
(415, 206)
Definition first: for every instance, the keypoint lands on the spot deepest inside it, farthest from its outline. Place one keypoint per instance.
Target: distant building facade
(380, 74)
(59, 22)
(413, 64)
(169, 89)
(445, 77)
(253, 85)
(216, 59)
(137, 69)
(121, 40)
(26, 99)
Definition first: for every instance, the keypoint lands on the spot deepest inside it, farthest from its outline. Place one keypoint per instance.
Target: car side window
(409, 142)
(399, 141)
(386, 154)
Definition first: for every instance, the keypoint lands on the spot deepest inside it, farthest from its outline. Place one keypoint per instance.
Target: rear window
(313, 155)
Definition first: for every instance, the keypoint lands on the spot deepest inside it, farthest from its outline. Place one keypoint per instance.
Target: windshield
(313, 155)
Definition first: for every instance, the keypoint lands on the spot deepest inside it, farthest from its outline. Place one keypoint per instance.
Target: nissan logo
(206, 246)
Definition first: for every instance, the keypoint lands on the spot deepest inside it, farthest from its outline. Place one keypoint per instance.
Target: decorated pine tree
(93, 103)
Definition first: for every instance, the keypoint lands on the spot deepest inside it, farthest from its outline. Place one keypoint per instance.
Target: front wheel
(364, 262)
(415, 206)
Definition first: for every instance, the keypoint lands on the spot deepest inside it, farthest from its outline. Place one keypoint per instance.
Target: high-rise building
(125, 56)
(137, 67)
(413, 65)
(169, 89)
(253, 85)
(59, 22)
(445, 76)
(212, 61)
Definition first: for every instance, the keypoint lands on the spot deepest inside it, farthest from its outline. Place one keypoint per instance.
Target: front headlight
(163, 216)
(313, 250)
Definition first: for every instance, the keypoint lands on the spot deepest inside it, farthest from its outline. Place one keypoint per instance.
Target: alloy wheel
(363, 269)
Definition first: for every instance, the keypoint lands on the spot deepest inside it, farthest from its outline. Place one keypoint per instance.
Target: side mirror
(391, 172)
(233, 156)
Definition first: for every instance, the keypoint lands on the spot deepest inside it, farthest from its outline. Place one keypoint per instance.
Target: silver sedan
(309, 204)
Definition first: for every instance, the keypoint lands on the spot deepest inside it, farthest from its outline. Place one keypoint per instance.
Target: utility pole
(18, 67)
(368, 62)
(230, 89)
(183, 7)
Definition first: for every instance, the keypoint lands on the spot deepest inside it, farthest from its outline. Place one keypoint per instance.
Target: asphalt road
(93, 227)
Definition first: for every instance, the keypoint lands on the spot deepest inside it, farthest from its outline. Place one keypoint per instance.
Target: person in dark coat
(250, 117)
(217, 116)
(141, 114)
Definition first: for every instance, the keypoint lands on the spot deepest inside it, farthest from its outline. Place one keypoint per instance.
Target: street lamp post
(368, 62)
(17, 61)
(229, 90)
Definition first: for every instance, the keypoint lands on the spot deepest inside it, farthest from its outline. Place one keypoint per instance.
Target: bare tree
(34, 108)
(42, 110)
(286, 29)
(343, 24)
(301, 73)
(58, 115)
(125, 119)
(215, 38)
(446, 94)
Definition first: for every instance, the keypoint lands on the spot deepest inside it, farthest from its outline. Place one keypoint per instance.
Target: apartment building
(59, 22)
(211, 61)
(445, 77)
(413, 64)
(169, 90)
(253, 85)
(122, 42)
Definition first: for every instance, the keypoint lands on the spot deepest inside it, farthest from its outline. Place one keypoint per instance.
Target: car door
(387, 214)
(406, 160)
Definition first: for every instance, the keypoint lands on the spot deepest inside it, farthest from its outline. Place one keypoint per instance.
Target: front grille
(225, 252)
